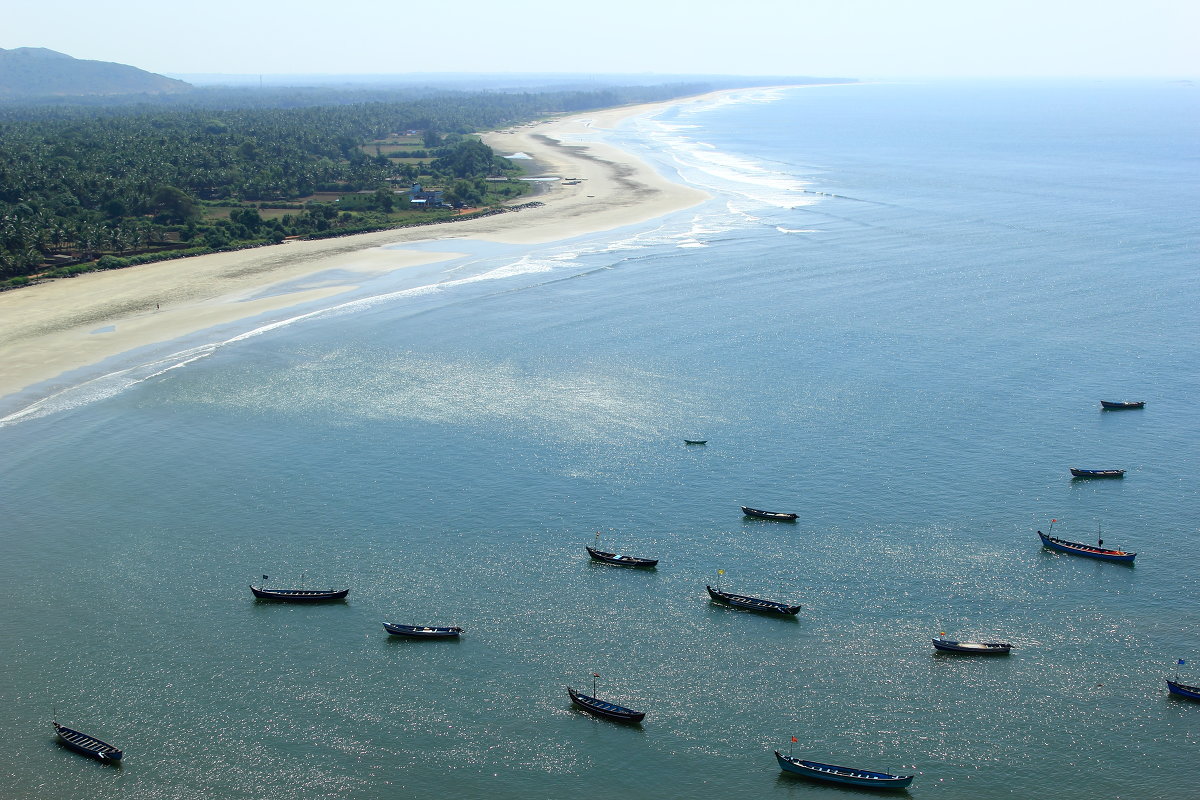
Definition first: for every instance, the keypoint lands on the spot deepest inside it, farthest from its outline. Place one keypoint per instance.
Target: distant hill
(38, 72)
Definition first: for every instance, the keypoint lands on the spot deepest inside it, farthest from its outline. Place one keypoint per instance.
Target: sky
(834, 38)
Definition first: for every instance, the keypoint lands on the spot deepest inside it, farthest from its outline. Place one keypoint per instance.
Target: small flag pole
(1052, 526)
(594, 676)
(720, 572)
(791, 745)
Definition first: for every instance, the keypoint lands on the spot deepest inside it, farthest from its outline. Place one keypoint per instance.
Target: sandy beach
(53, 328)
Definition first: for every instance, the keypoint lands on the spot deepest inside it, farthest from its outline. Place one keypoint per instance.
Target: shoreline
(53, 329)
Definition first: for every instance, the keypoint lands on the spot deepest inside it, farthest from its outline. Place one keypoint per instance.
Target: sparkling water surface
(896, 317)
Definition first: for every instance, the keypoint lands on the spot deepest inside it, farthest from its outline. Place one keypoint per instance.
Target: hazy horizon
(864, 39)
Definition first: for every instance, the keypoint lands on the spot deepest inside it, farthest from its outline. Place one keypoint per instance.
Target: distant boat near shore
(1120, 405)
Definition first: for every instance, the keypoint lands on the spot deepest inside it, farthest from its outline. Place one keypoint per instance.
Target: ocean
(896, 318)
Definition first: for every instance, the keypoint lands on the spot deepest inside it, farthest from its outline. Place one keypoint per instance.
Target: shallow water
(897, 318)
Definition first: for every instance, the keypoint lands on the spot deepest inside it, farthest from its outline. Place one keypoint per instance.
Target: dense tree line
(95, 180)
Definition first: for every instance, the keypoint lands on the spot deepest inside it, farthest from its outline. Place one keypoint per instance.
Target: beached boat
(835, 774)
(1097, 473)
(751, 603)
(974, 648)
(1080, 549)
(1183, 690)
(778, 516)
(423, 631)
(88, 745)
(622, 561)
(299, 595)
(1118, 405)
(602, 708)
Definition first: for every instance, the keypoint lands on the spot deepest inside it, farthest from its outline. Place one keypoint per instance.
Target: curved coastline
(50, 332)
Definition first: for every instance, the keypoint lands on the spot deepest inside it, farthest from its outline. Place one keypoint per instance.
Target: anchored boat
(88, 745)
(778, 516)
(424, 631)
(603, 708)
(752, 603)
(973, 648)
(835, 774)
(1097, 473)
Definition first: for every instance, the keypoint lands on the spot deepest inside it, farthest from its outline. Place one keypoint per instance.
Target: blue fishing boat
(603, 708)
(848, 775)
(424, 631)
(88, 745)
(1079, 549)
(751, 603)
(778, 516)
(1120, 405)
(1183, 690)
(1097, 473)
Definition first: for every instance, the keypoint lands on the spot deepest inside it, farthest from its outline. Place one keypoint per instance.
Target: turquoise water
(896, 317)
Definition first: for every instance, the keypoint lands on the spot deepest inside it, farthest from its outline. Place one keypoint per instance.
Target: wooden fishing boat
(424, 631)
(1079, 549)
(778, 516)
(622, 561)
(974, 648)
(88, 745)
(1097, 473)
(751, 603)
(299, 595)
(602, 708)
(695, 441)
(835, 774)
(1183, 690)
(1118, 405)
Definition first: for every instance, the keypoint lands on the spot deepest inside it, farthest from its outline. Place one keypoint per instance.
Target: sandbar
(51, 329)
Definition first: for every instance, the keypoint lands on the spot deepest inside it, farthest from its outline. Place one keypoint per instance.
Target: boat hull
(1183, 690)
(87, 745)
(600, 708)
(777, 516)
(423, 631)
(752, 603)
(621, 561)
(1086, 550)
(831, 773)
(1097, 473)
(973, 648)
(1112, 405)
(299, 595)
